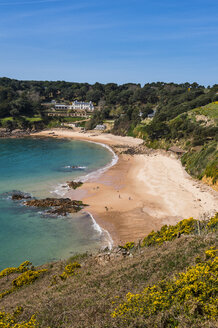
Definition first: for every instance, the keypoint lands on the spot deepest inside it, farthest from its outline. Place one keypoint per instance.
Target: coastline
(141, 192)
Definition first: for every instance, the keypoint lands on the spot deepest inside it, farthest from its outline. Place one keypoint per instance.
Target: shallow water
(38, 166)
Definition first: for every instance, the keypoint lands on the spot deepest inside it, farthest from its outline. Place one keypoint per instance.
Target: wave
(74, 168)
(62, 189)
(102, 231)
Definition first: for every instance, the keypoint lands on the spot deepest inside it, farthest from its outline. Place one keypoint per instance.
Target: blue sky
(110, 41)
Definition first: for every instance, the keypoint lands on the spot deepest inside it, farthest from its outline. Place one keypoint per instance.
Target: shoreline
(141, 192)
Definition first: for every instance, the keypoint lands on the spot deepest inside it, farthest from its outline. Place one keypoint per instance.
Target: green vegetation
(203, 162)
(127, 104)
(168, 280)
(186, 115)
(210, 111)
(22, 122)
(195, 131)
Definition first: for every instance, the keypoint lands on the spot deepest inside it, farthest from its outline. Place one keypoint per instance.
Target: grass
(6, 119)
(210, 110)
(88, 298)
(203, 162)
(35, 118)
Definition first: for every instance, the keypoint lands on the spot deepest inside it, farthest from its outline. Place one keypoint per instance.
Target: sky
(117, 41)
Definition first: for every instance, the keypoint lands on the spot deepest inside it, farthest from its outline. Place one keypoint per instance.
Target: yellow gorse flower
(8, 320)
(26, 277)
(70, 270)
(198, 285)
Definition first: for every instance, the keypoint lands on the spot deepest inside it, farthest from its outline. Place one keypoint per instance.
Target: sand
(141, 192)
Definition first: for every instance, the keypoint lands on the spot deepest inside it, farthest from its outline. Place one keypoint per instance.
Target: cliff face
(167, 280)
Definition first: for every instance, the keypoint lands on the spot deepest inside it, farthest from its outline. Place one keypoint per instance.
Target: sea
(40, 167)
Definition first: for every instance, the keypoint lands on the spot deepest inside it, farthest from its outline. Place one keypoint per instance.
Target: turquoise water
(38, 166)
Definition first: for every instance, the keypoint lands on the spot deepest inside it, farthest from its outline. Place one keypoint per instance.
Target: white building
(61, 106)
(100, 127)
(76, 105)
(81, 105)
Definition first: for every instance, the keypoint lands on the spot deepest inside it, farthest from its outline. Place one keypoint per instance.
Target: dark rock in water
(58, 206)
(76, 167)
(74, 184)
(15, 195)
(20, 196)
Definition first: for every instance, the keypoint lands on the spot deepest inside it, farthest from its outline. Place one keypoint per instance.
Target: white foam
(62, 189)
(75, 167)
(97, 173)
(101, 231)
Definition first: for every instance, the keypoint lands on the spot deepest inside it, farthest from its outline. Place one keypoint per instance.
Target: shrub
(8, 320)
(168, 233)
(194, 289)
(213, 223)
(27, 278)
(128, 245)
(21, 268)
(69, 270)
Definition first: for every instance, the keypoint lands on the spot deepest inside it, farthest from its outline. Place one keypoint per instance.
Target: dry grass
(87, 299)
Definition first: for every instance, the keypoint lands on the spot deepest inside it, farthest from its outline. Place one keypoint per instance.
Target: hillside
(196, 132)
(127, 104)
(167, 280)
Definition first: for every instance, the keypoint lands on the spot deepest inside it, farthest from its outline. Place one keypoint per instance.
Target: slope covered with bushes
(195, 131)
(167, 280)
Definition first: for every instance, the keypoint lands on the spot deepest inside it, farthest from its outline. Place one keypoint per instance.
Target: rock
(58, 206)
(20, 196)
(4, 133)
(115, 255)
(74, 184)
(17, 131)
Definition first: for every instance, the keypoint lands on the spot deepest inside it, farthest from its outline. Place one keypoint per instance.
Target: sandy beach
(140, 192)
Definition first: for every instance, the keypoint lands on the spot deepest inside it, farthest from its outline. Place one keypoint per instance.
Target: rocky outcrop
(20, 196)
(74, 184)
(58, 206)
(116, 254)
(6, 133)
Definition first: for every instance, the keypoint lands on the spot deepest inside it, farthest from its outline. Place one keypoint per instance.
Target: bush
(168, 233)
(192, 293)
(8, 320)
